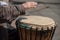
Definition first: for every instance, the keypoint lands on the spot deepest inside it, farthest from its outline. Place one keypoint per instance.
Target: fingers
(30, 4)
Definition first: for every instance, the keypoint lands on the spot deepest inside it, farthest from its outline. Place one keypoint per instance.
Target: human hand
(29, 5)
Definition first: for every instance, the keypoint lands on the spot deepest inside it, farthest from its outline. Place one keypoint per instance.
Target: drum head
(39, 21)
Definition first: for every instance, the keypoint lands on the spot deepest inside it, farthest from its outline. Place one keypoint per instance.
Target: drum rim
(39, 28)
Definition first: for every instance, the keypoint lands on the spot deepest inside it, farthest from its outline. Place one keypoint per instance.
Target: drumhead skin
(38, 22)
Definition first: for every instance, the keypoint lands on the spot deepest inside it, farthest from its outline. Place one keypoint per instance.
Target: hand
(28, 5)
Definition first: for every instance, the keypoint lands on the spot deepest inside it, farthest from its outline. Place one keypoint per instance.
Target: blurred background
(53, 11)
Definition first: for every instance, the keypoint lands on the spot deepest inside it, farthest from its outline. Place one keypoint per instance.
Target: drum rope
(31, 33)
(36, 34)
(53, 31)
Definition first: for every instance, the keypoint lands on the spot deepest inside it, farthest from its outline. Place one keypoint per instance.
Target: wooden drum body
(35, 28)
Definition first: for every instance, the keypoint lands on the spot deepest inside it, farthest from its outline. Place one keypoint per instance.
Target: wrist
(25, 7)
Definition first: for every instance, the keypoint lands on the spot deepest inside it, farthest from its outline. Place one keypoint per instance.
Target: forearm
(10, 12)
(21, 9)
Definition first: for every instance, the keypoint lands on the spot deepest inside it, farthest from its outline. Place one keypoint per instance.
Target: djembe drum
(35, 28)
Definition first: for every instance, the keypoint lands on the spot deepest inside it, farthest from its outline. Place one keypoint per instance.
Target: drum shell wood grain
(31, 34)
